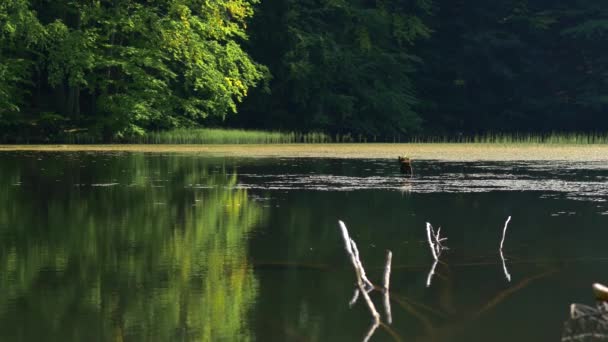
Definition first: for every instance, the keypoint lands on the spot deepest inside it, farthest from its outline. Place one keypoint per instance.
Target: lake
(130, 246)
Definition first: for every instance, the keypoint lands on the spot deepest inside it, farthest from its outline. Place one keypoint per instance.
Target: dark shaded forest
(381, 68)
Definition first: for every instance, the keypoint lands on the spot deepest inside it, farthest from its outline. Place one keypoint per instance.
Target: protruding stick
(429, 278)
(437, 241)
(346, 238)
(349, 246)
(366, 281)
(429, 236)
(370, 304)
(371, 331)
(387, 270)
(504, 267)
(387, 281)
(504, 232)
(355, 297)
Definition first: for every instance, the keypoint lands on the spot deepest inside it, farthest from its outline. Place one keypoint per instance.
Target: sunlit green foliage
(20, 34)
(385, 70)
(120, 67)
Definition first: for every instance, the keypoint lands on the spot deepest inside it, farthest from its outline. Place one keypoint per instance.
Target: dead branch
(430, 235)
(350, 247)
(504, 232)
(429, 277)
(387, 278)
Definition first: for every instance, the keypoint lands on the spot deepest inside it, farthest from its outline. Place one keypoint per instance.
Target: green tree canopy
(343, 66)
(119, 67)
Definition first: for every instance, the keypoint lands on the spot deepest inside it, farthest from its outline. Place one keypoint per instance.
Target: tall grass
(558, 138)
(229, 136)
(240, 136)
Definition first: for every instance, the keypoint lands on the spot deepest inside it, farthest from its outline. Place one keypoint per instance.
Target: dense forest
(118, 68)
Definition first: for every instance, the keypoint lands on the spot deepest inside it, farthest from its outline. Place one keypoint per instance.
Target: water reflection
(121, 248)
(149, 247)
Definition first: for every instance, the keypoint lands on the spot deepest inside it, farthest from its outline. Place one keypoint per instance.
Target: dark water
(147, 247)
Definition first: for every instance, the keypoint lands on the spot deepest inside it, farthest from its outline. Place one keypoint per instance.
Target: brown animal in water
(406, 165)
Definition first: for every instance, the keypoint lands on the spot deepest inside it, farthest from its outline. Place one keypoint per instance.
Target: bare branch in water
(436, 248)
(430, 235)
(504, 232)
(371, 331)
(435, 240)
(387, 280)
(387, 270)
(354, 299)
(366, 281)
(502, 257)
(504, 267)
(370, 304)
(438, 239)
(429, 278)
(350, 247)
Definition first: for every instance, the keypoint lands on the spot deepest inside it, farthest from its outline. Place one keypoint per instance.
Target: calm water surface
(152, 247)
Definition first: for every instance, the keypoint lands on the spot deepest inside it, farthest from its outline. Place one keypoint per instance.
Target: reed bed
(557, 138)
(193, 136)
(230, 136)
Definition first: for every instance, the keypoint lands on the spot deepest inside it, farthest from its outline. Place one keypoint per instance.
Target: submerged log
(405, 165)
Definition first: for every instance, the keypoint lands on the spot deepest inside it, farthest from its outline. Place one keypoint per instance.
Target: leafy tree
(514, 65)
(343, 66)
(20, 34)
(123, 66)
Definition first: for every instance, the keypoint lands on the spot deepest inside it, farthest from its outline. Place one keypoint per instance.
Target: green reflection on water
(161, 255)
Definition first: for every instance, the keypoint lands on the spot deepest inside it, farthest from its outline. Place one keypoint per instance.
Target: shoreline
(430, 151)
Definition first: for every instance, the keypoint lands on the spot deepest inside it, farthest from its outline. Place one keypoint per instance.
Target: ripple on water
(573, 180)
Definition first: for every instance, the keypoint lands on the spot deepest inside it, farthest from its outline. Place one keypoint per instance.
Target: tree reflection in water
(128, 247)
